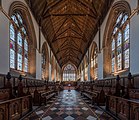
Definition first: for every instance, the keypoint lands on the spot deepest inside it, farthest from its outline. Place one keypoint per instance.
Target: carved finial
(117, 78)
(8, 76)
(20, 77)
(129, 75)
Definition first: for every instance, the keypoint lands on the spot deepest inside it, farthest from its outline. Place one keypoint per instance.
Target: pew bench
(91, 95)
(95, 96)
(47, 95)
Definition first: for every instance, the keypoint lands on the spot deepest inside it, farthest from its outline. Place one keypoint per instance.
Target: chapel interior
(69, 60)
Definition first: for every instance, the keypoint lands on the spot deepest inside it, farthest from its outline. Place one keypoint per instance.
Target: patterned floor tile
(59, 113)
(80, 118)
(76, 108)
(78, 113)
(53, 108)
(99, 112)
(103, 107)
(40, 112)
(69, 118)
(85, 108)
(81, 103)
(57, 103)
(69, 112)
(69, 106)
(91, 118)
(61, 108)
(47, 118)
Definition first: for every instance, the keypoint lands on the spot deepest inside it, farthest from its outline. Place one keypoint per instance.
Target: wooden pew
(16, 108)
(47, 95)
(124, 109)
(4, 94)
(95, 96)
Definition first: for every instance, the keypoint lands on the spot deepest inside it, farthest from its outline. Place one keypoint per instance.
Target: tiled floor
(68, 106)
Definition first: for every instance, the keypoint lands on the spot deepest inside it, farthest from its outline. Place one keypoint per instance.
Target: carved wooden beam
(80, 34)
(54, 4)
(88, 6)
(65, 37)
(69, 48)
(71, 14)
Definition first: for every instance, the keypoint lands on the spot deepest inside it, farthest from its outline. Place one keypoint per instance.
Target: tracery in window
(69, 73)
(120, 44)
(18, 44)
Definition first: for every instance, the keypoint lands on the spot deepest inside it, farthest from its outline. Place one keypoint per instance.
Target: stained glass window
(43, 62)
(18, 44)
(126, 46)
(19, 18)
(24, 31)
(25, 55)
(12, 46)
(94, 62)
(120, 44)
(69, 73)
(15, 20)
(119, 18)
(113, 55)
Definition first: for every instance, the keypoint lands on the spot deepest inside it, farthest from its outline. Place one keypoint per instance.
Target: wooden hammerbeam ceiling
(69, 25)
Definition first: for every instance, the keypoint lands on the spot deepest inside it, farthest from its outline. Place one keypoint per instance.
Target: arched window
(43, 62)
(86, 67)
(18, 44)
(69, 73)
(120, 44)
(94, 62)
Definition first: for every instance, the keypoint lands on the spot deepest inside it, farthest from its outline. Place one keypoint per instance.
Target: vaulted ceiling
(69, 26)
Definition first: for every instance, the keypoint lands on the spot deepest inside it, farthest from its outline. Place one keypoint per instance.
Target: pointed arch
(45, 61)
(115, 30)
(69, 72)
(71, 64)
(25, 59)
(20, 6)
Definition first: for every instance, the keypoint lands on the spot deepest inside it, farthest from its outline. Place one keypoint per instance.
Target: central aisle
(68, 106)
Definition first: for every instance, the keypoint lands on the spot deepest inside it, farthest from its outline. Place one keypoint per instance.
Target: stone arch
(18, 6)
(94, 45)
(117, 8)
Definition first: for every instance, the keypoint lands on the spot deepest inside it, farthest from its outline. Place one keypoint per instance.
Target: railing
(14, 109)
(111, 82)
(125, 109)
(27, 82)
